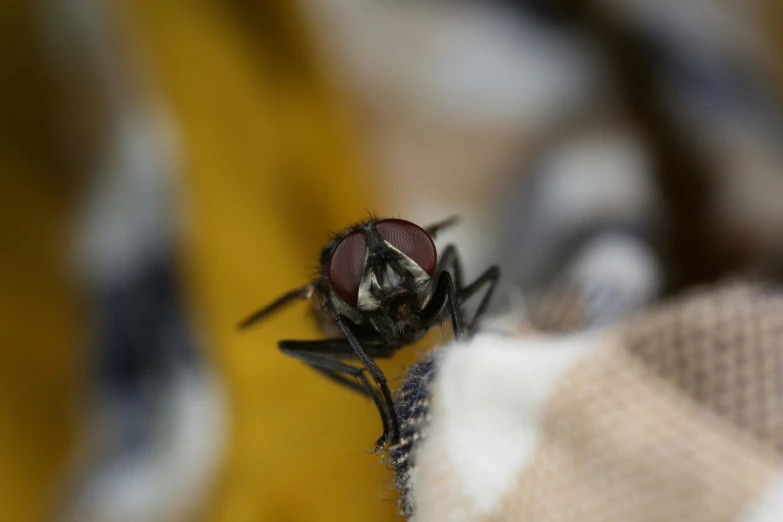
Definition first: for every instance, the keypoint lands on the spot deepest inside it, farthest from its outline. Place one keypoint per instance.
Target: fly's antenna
(304, 292)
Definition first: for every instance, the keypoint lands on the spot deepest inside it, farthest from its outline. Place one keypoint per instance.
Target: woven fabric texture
(677, 414)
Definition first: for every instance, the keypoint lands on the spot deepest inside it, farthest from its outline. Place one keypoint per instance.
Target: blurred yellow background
(269, 170)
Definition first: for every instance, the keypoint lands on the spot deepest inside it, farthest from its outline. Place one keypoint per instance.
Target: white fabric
(769, 507)
(487, 402)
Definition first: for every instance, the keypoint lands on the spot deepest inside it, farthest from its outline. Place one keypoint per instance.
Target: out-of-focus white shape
(593, 177)
(769, 508)
(130, 213)
(129, 221)
(462, 62)
(585, 181)
(618, 275)
(488, 401)
(169, 480)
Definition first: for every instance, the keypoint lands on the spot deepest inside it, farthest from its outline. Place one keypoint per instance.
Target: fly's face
(383, 269)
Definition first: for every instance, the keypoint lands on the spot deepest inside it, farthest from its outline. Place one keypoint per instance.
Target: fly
(380, 287)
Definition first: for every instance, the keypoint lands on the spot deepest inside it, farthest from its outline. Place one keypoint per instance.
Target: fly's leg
(340, 348)
(433, 229)
(445, 295)
(377, 375)
(304, 292)
(341, 373)
(489, 279)
(450, 261)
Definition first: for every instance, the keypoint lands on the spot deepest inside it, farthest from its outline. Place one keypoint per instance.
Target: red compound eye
(346, 266)
(411, 240)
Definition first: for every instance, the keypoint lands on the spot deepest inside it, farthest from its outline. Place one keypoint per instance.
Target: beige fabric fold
(674, 415)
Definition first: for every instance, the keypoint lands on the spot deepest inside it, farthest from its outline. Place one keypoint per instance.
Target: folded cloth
(673, 414)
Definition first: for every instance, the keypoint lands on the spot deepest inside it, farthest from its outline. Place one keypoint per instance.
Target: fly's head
(381, 272)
